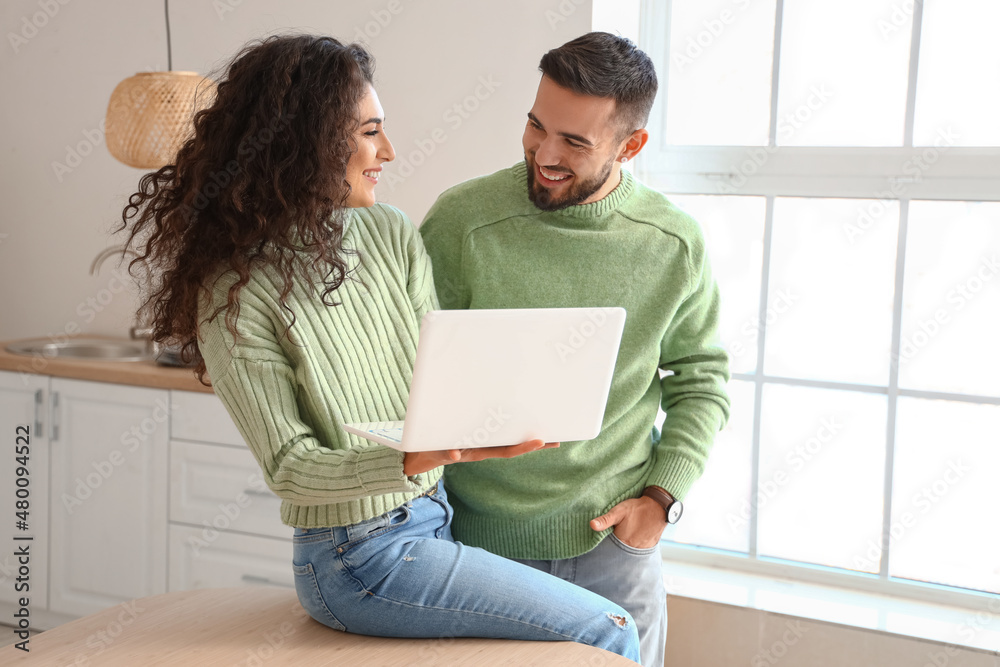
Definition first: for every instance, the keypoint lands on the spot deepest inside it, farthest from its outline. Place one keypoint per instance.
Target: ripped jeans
(402, 574)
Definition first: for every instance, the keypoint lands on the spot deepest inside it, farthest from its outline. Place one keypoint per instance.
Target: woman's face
(365, 165)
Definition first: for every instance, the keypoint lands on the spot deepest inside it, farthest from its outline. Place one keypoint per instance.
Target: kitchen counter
(137, 373)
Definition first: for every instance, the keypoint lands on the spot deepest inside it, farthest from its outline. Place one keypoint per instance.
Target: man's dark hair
(605, 65)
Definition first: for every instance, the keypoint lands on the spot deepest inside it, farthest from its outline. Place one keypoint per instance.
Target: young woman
(301, 298)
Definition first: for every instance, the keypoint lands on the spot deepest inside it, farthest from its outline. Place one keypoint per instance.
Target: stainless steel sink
(97, 349)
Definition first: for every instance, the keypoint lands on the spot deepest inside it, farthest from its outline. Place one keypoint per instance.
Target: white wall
(430, 54)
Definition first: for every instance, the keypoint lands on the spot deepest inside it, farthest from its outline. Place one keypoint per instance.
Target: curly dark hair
(261, 182)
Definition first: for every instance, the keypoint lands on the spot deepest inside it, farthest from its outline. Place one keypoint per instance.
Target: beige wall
(707, 634)
(431, 55)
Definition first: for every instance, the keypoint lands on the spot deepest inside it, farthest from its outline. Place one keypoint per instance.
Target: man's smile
(549, 177)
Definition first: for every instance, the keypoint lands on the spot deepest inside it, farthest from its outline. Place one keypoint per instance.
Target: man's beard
(542, 197)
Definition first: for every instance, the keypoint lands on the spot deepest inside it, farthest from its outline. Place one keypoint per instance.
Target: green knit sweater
(492, 248)
(290, 395)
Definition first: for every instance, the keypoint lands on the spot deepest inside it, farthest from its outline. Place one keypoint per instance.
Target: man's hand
(638, 522)
(415, 463)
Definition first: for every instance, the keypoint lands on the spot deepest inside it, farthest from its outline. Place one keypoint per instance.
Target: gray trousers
(629, 577)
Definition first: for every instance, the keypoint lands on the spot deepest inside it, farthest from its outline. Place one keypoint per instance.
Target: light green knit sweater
(492, 248)
(290, 395)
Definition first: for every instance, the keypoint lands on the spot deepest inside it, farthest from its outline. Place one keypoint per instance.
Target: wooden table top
(257, 626)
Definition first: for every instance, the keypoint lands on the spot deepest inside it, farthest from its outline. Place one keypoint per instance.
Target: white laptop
(506, 376)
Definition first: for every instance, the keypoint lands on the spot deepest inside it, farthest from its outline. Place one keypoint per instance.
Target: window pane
(831, 288)
(734, 235)
(719, 79)
(843, 76)
(958, 86)
(822, 457)
(717, 509)
(945, 515)
(951, 304)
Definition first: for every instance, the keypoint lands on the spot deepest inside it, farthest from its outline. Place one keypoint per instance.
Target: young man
(569, 227)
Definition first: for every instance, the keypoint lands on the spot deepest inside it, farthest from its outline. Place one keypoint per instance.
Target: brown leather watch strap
(661, 496)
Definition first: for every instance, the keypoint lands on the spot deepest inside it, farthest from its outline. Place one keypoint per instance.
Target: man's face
(571, 147)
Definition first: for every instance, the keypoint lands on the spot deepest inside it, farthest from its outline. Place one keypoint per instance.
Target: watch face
(675, 511)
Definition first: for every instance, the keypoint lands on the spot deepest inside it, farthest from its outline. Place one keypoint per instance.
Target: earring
(624, 160)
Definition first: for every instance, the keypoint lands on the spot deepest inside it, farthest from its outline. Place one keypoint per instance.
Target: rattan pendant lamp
(151, 114)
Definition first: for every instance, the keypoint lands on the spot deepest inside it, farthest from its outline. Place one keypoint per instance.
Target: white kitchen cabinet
(200, 558)
(23, 403)
(225, 524)
(133, 491)
(202, 417)
(109, 494)
(222, 488)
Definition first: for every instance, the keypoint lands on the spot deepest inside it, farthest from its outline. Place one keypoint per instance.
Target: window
(843, 160)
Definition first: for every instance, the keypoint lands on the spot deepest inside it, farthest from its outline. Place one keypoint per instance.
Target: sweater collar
(596, 209)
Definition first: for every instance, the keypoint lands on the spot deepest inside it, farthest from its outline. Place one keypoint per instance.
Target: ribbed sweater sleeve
(297, 465)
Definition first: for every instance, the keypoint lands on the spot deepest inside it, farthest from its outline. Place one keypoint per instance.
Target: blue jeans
(402, 574)
(627, 575)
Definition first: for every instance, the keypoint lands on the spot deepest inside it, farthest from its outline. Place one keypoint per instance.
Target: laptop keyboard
(395, 433)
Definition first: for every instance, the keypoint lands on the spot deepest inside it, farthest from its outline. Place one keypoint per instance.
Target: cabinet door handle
(55, 416)
(262, 581)
(38, 413)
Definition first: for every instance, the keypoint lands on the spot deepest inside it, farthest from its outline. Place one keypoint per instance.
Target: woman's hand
(415, 463)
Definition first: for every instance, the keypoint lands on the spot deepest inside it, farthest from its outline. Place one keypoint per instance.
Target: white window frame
(951, 173)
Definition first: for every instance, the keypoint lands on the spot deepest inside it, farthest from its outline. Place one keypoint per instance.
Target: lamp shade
(151, 115)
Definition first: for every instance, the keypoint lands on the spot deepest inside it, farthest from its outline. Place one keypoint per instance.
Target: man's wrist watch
(672, 507)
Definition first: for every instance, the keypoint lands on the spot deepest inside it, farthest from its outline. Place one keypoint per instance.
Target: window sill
(969, 627)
